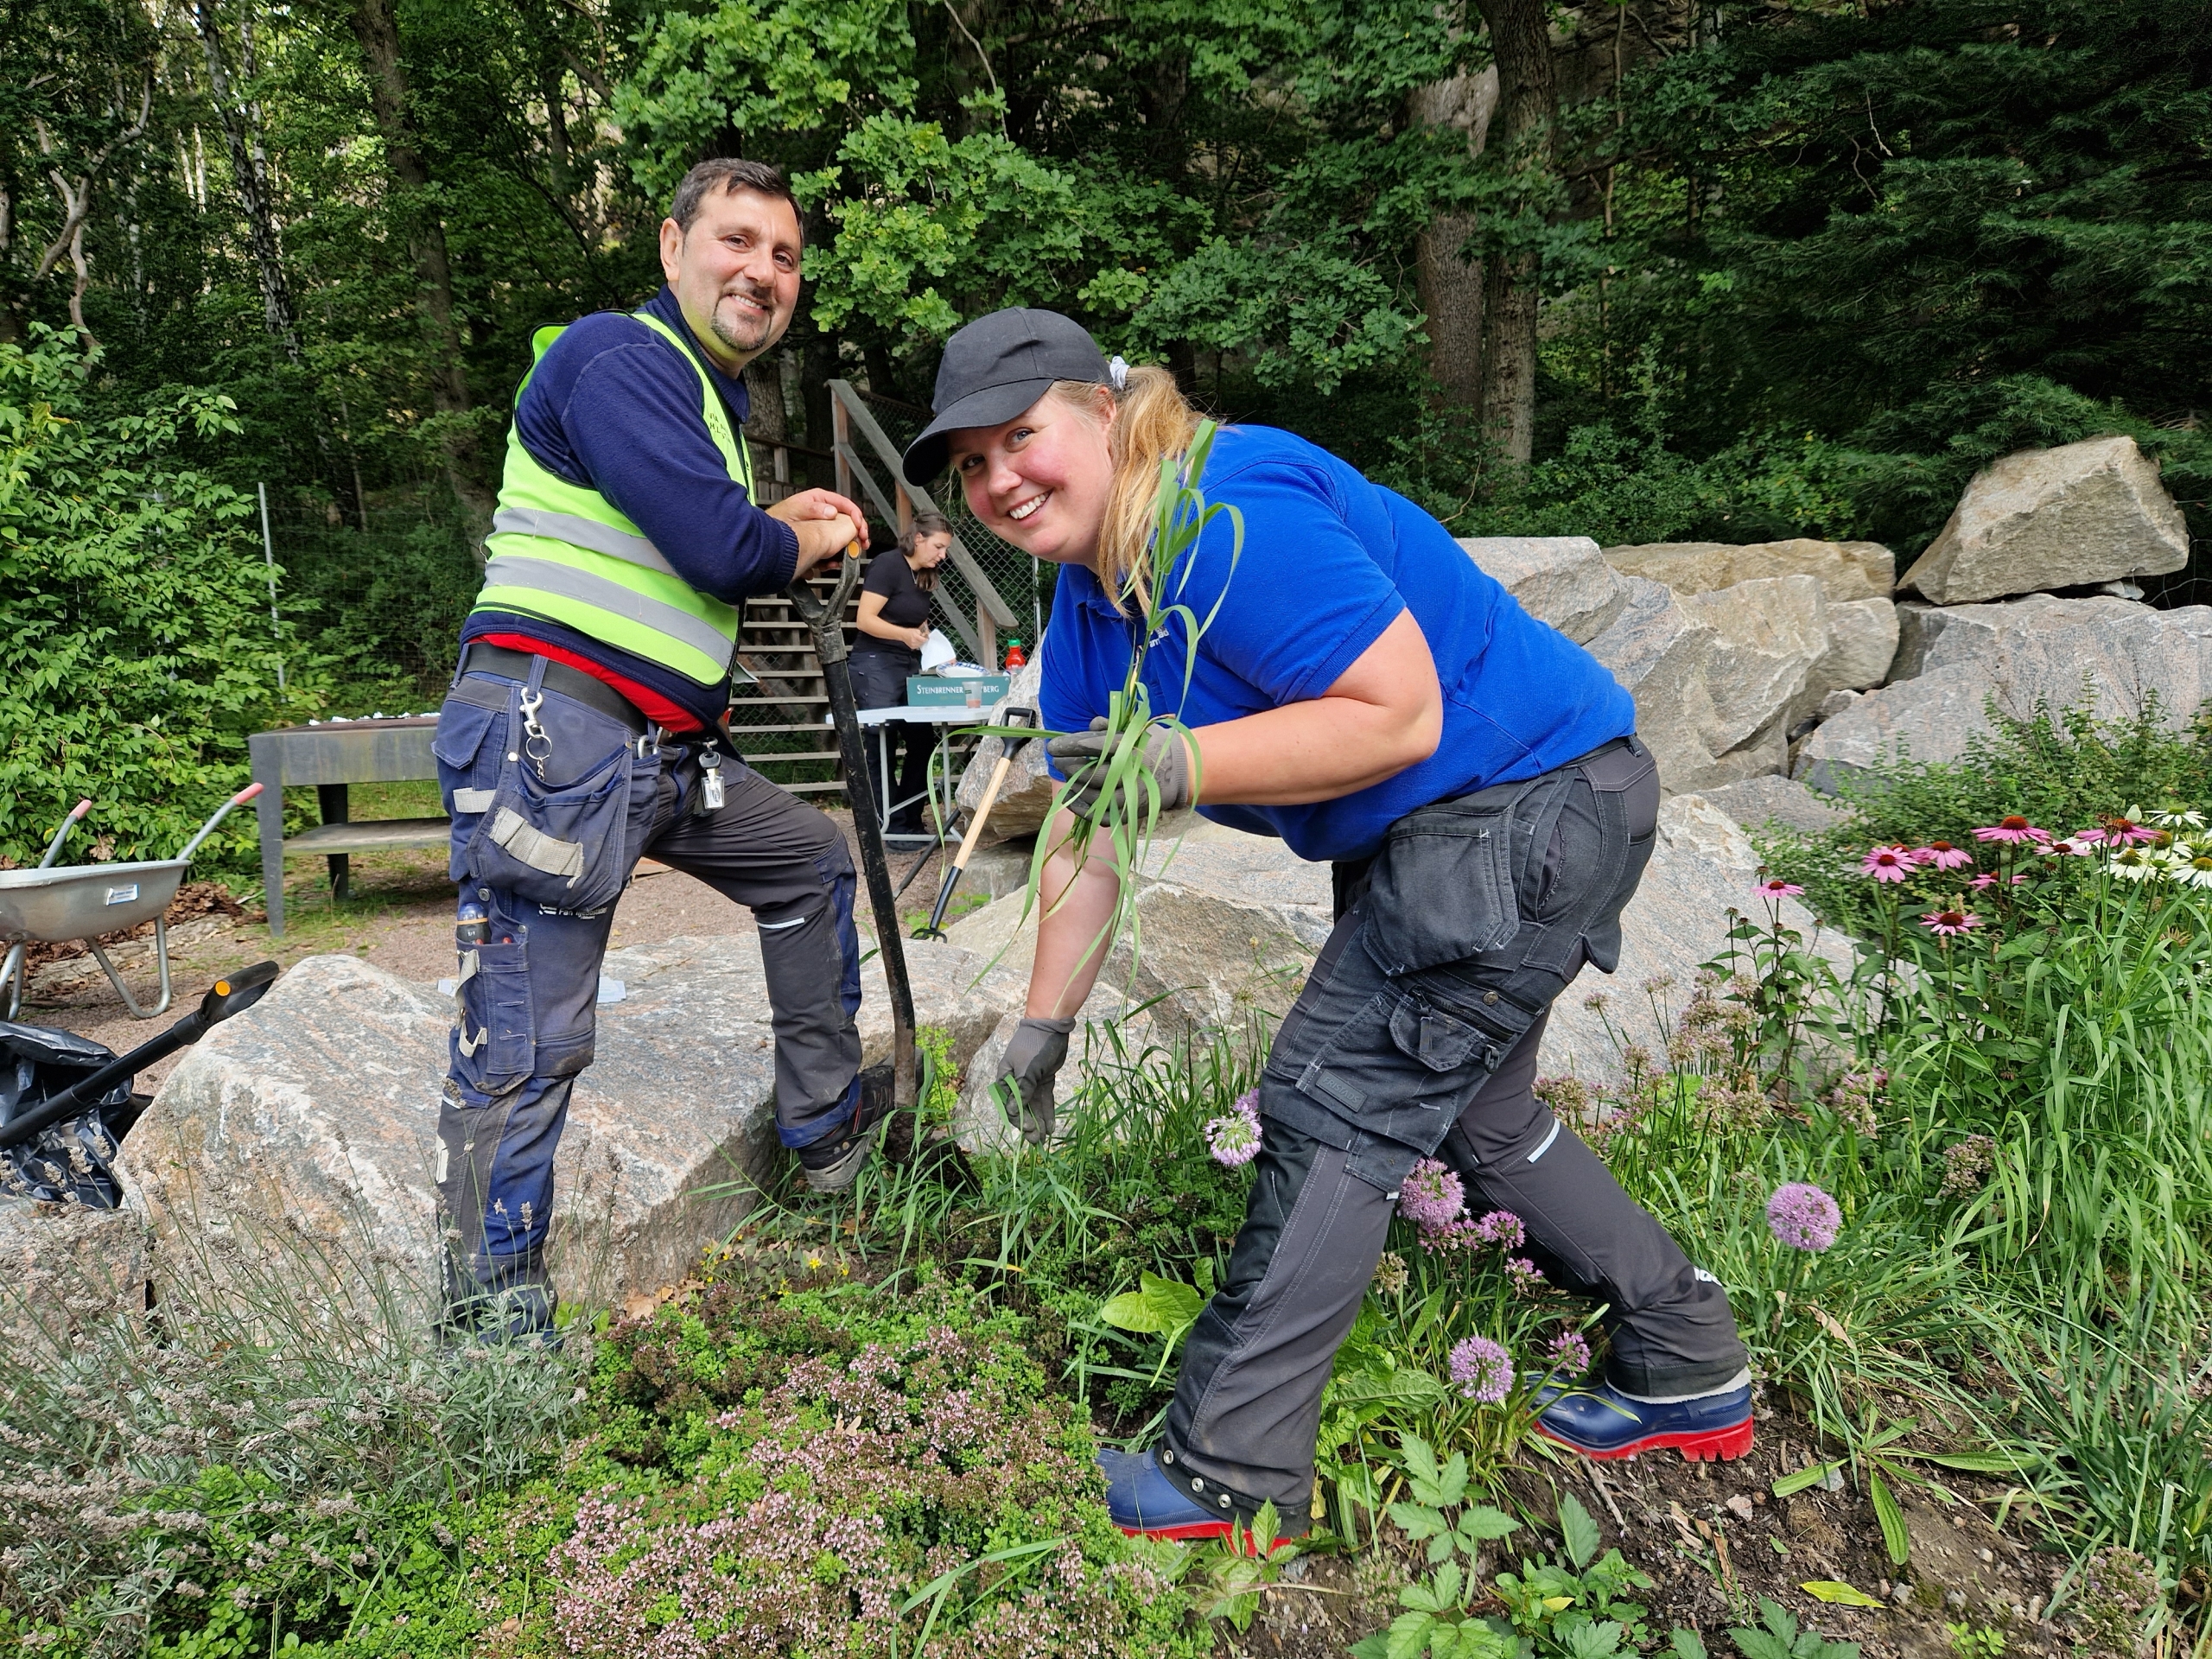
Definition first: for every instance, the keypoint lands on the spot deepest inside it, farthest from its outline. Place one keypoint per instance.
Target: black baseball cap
(994, 368)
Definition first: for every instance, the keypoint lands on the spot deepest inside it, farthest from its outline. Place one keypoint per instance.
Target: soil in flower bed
(1715, 1541)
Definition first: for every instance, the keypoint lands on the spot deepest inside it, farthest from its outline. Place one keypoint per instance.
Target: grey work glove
(1024, 1086)
(1167, 757)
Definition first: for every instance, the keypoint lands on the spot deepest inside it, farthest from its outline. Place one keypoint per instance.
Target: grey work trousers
(1417, 1035)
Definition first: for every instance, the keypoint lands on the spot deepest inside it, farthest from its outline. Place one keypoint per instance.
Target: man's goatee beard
(730, 338)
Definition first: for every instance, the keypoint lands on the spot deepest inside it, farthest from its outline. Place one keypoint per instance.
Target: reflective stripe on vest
(564, 551)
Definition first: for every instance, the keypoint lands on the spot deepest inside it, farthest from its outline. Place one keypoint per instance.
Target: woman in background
(894, 624)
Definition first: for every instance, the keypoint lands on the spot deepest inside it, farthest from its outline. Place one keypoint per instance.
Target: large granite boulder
(1562, 580)
(1845, 570)
(66, 1273)
(1658, 652)
(1862, 645)
(1767, 634)
(2112, 655)
(2063, 517)
(303, 1131)
(1771, 802)
(1702, 864)
(1026, 797)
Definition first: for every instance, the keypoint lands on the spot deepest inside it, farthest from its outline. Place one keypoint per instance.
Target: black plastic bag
(68, 1162)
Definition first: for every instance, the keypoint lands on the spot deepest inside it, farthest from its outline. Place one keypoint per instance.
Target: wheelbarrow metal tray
(85, 901)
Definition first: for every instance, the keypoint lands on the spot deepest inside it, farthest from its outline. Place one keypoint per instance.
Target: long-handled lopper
(826, 621)
(935, 928)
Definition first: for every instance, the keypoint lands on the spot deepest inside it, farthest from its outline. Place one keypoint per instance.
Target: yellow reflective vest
(562, 551)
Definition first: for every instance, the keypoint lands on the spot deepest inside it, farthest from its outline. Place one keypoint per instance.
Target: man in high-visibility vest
(581, 734)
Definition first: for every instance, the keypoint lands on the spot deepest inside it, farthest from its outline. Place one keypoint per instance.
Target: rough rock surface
(1767, 634)
(1562, 580)
(2113, 653)
(1703, 864)
(1657, 650)
(1227, 923)
(1919, 623)
(1862, 644)
(1756, 802)
(2043, 518)
(1026, 795)
(66, 1271)
(317, 1110)
(1845, 570)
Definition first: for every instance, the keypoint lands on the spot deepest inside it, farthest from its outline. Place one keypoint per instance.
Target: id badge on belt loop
(711, 783)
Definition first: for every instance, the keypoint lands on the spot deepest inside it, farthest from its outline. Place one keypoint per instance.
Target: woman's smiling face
(1042, 479)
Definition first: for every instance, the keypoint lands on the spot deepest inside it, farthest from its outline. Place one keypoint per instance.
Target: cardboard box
(951, 691)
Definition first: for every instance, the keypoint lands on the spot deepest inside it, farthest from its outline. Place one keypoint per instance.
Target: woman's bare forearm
(1076, 907)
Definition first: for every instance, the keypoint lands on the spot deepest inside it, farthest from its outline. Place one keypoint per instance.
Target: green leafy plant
(1776, 1636)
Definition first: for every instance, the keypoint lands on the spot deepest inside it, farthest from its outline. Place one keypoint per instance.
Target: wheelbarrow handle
(53, 847)
(221, 812)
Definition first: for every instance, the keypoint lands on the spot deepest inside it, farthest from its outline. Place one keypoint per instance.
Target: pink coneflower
(1502, 1228)
(1888, 864)
(1777, 889)
(2015, 829)
(1483, 1370)
(1945, 923)
(1981, 883)
(1942, 855)
(1431, 1196)
(2127, 832)
(1802, 1217)
(2082, 844)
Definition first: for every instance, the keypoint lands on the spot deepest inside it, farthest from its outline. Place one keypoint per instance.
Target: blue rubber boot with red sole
(1603, 1423)
(1145, 1503)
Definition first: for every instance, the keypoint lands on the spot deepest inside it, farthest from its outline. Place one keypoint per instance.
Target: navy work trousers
(553, 803)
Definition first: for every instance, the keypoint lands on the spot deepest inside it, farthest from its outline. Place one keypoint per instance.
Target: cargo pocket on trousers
(561, 847)
(467, 751)
(1403, 1069)
(494, 1041)
(1443, 889)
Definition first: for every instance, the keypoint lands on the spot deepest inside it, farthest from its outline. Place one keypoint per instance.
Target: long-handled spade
(826, 621)
(934, 927)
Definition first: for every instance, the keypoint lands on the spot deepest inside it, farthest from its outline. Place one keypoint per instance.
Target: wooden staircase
(781, 725)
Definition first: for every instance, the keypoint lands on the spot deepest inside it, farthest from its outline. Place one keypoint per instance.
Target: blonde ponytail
(1153, 420)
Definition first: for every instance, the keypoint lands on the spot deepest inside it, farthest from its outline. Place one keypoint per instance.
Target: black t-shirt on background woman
(905, 605)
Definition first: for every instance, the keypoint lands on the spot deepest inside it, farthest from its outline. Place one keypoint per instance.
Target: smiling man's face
(734, 272)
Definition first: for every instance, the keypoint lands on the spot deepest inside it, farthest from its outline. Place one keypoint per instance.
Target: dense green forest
(1637, 268)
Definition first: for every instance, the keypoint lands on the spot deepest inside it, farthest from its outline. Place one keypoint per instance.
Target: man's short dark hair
(729, 174)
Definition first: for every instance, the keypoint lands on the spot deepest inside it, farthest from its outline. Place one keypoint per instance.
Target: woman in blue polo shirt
(1365, 692)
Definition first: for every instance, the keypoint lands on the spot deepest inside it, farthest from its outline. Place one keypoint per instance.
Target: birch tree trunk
(250, 172)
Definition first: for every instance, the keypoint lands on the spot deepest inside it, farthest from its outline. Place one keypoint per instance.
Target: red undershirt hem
(657, 708)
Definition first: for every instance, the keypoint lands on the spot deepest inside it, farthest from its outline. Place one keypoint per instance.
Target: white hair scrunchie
(1118, 371)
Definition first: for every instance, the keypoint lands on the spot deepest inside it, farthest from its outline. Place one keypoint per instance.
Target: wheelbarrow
(85, 901)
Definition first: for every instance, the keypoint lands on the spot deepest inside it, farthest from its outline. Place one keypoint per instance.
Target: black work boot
(833, 1163)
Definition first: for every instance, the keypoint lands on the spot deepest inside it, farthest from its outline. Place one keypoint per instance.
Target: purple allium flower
(1431, 1196)
(1802, 1217)
(1569, 1354)
(1458, 1234)
(1483, 1370)
(1525, 1275)
(1235, 1139)
(1503, 1229)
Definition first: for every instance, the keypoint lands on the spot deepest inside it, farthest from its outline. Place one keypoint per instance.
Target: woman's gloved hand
(1024, 1085)
(1167, 757)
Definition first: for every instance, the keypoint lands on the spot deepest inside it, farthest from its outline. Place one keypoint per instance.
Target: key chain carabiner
(534, 734)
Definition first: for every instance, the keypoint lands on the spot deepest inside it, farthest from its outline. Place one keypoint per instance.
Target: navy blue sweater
(615, 408)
